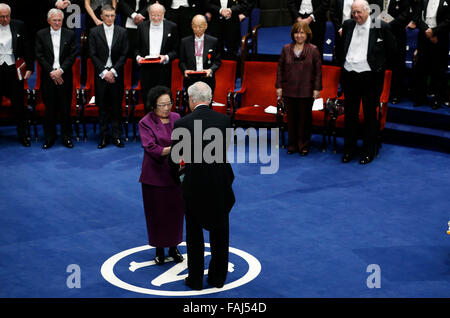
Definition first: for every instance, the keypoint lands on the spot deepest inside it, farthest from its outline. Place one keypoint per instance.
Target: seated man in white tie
(108, 47)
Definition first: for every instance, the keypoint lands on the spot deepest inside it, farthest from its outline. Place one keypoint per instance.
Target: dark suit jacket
(238, 7)
(169, 44)
(45, 56)
(320, 8)
(210, 48)
(298, 77)
(207, 187)
(382, 49)
(21, 45)
(99, 51)
(442, 18)
(127, 7)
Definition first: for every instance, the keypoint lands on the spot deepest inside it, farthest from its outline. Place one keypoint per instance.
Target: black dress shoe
(212, 282)
(366, 159)
(103, 143)
(118, 142)
(304, 152)
(67, 143)
(435, 105)
(176, 255)
(191, 284)
(159, 258)
(347, 157)
(48, 144)
(24, 141)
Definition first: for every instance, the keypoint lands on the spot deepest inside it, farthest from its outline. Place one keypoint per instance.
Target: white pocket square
(168, 35)
(379, 40)
(18, 35)
(445, 4)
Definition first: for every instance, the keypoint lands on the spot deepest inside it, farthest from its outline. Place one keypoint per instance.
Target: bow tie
(53, 32)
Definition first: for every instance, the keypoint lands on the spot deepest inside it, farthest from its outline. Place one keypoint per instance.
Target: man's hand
(62, 4)
(163, 59)
(208, 72)
(186, 73)
(27, 74)
(56, 76)
(109, 77)
(429, 33)
(138, 18)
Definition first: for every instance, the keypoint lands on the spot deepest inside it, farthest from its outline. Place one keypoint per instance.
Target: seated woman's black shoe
(176, 255)
(159, 258)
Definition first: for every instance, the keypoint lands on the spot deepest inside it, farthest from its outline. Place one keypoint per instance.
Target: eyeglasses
(169, 104)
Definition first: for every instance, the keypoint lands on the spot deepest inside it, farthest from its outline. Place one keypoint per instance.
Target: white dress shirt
(155, 38)
(6, 49)
(179, 3)
(109, 32)
(306, 7)
(356, 59)
(130, 21)
(199, 43)
(430, 17)
(56, 42)
(347, 10)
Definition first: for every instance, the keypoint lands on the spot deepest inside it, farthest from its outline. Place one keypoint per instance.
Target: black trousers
(228, 33)
(183, 19)
(12, 88)
(365, 87)
(432, 61)
(57, 100)
(219, 241)
(398, 71)
(108, 98)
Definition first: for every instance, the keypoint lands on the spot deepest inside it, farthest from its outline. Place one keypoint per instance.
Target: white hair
(5, 6)
(364, 4)
(200, 92)
(155, 5)
(54, 11)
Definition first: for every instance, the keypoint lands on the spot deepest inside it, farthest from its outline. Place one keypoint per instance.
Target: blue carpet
(314, 226)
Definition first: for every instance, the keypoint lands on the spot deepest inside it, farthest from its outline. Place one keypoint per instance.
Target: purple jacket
(154, 137)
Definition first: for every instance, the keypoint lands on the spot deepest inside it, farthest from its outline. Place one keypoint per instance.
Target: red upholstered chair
(257, 92)
(225, 85)
(90, 110)
(137, 106)
(75, 108)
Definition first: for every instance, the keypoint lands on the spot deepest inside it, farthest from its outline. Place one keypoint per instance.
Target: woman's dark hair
(301, 26)
(153, 95)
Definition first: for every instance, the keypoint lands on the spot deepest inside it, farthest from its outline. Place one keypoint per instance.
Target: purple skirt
(164, 215)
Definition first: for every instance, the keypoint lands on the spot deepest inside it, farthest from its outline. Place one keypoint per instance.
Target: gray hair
(364, 4)
(5, 6)
(54, 11)
(200, 92)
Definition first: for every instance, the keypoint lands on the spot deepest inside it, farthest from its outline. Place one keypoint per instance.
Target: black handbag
(334, 107)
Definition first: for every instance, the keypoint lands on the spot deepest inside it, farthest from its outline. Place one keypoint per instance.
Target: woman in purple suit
(163, 202)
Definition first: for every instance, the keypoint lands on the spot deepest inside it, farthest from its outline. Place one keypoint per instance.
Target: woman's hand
(316, 94)
(279, 92)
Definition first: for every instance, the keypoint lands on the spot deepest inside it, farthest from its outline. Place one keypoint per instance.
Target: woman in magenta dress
(163, 202)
